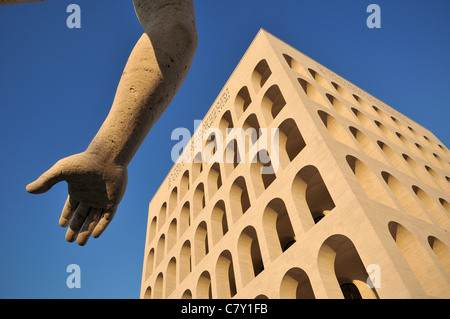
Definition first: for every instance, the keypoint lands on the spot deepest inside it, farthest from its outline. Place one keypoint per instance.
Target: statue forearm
(155, 70)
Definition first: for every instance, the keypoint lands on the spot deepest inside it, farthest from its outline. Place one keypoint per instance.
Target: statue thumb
(47, 180)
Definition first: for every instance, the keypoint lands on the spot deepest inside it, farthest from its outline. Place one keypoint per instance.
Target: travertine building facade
(357, 205)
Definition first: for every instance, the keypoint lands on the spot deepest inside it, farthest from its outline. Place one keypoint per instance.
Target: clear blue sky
(57, 86)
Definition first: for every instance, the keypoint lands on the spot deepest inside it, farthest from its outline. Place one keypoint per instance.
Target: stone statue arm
(155, 70)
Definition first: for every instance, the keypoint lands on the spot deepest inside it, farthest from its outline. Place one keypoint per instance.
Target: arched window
(242, 101)
(296, 285)
(260, 74)
(277, 228)
(158, 294)
(185, 217)
(184, 184)
(249, 254)
(219, 222)
(418, 259)
(214, 179)
(291, 142)
(336, 129)
(370, 182)
(204, 290)
(226, 283)
(171, 277)
(162, 215)
(405, 197)
(272, 103)
(199, 199)
(172, 234)
(239, 199)
(201, 242)
(262, 172)
(342, 269)
(310, 189)
(185, 260)
(441, 250)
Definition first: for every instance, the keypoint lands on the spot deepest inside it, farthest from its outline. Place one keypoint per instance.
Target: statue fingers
(90, 223)
(67, 213)
(104, 222)
(76, 223)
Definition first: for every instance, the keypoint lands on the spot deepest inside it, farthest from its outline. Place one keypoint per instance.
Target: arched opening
(419, 171)
(272, 103)
(342, 92)
(199, 201)
(320, 80)
(371, 184)
(212, 151)
(311, 91)
(204, 290)
(158, 294)
(366, 144)
(242, 102)
(365, 121)
(405, 197)
(395, 159)
(250, 134)
(342, 270)
(260, 75)
(219, 223)
(232, 156)
(171, 277)
(185, 260)
(249, 254)
(423, 267)
(442, 251)
(148, 293)
(187, 294)
(226, 282)
(185, 218)
(278, 228)
(201, 242)
(336, 129)
(339, 106)
(173, 200)
(184, 184)
(310, 189)
(239, 199)
(262, 172)
(295, 65)
(152, 229)
(433, 208)
(162, 215)
(214, 179)
(291, 141)
(172, 234)
(160, 249)
(296, 285)
(149, 263)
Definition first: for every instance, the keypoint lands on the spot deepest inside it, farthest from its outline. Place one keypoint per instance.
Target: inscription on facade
(196, 141)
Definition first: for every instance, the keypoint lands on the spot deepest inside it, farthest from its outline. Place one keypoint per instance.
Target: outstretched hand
(95, 190)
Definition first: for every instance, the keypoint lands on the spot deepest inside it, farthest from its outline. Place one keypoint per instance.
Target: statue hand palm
(95, 191)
